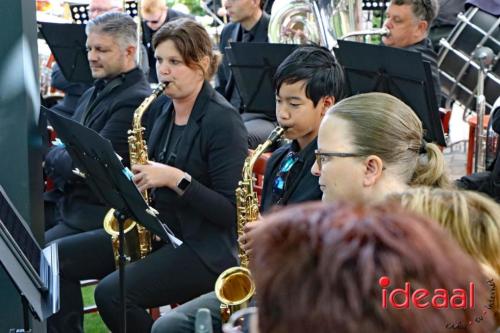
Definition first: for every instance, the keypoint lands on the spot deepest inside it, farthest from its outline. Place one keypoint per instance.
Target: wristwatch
(185, 181)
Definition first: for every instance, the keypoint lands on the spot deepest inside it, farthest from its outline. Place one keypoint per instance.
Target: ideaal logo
(440, 298)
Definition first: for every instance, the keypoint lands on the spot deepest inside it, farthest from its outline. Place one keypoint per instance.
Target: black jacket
(147, 41)
(212, 150)
(304, 186)
(232, 32)
(112, 118)
(424, 47)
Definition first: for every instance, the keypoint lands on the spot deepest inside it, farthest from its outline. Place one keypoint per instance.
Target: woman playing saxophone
(196, 147)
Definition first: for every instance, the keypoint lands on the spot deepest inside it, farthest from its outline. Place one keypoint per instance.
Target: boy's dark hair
(316, 66)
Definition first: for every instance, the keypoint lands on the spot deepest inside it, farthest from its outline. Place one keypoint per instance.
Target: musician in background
(307, 83)
(74, 90)
(249, 24)
(408, 22)
(154, 14)
(319, 268)
(107, 108)
(445, 21)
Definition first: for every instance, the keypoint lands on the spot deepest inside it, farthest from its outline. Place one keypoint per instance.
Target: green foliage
(92, 322)
(193, 5)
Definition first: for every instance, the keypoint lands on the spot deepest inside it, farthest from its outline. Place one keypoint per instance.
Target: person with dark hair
(307, 83)
(408, 22)
(198, 145)
(371, 145)
(155, 13)
(337, 268)
(249, 24)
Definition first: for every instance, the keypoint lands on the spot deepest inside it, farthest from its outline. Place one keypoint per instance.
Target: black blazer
(111, 117)
(304, 187)
(212, 149)
(232, 32)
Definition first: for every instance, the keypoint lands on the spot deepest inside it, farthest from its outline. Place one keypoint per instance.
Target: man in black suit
(408, 22)
(248, 24)
(107, 108)
(155, 13)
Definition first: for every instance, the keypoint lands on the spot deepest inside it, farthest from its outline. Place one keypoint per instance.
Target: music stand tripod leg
(121, 218)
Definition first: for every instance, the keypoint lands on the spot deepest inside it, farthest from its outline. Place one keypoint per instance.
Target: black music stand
(67, 43)
(253, 66)
(401, 73)
(34, 271)
(111, 182)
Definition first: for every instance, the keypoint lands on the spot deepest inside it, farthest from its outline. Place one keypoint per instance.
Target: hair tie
(423, 147)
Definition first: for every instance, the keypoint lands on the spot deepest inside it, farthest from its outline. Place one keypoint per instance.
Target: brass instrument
(369, 32)
(314, 21)
(235, 286)
(137, 238)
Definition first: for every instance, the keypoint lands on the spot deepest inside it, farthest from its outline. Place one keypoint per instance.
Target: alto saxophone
(235, 286)
(137, 238)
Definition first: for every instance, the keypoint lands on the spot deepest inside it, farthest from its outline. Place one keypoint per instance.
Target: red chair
(259, 169)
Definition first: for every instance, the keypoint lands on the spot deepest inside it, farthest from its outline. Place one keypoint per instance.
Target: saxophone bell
(235, 286)
(138, 240)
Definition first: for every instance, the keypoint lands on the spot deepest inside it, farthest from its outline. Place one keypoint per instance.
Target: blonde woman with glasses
(370, 145)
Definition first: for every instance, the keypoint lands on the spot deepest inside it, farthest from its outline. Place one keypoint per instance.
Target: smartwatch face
(184, 183)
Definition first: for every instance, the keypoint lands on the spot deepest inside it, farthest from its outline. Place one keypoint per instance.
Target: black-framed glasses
(283, 172)
(323, 156)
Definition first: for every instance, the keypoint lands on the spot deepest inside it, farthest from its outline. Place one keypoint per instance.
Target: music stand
(253, 66)
(398, 72)
(111, 182)
(34, 271)
(67, 42)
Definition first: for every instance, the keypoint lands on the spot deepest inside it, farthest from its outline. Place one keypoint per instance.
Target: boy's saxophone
(235, 286)
(137, 238)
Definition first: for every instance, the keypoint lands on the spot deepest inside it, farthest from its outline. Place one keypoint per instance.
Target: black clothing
(301, 185)
(147, 41)
(212, 150)
(111, 116)
(424, 47)
(233, 32)
(258, 124)
(72, 92)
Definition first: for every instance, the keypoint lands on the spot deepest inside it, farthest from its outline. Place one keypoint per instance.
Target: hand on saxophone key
(156, 174)
(246, 240)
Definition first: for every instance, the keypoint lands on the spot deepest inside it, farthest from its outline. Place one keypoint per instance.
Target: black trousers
(165, 276)
(258, 128)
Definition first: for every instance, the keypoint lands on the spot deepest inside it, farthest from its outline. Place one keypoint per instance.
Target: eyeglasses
(236, 320)
(323, 157)
(284, 170)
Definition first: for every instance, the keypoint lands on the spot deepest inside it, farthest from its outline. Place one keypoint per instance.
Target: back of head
(316, 66)
(152, 6)
(121, 27)
(383, 125)
(318, 267)
(192, 41)
(426, 10)
(472, 219)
